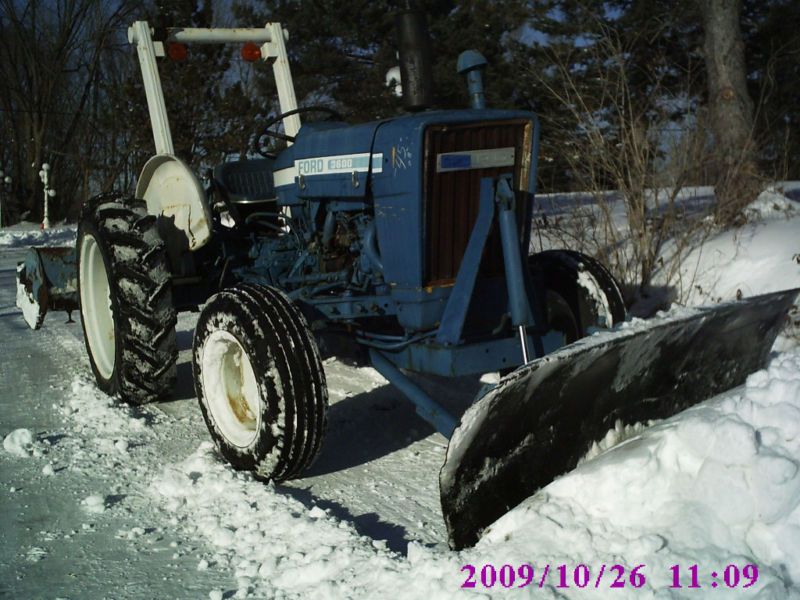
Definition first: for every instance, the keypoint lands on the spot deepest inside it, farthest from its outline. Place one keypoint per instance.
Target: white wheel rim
(98, 319)
(230, 389)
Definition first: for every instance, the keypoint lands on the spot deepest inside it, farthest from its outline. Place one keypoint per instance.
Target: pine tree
(772, 51)
(343, 59)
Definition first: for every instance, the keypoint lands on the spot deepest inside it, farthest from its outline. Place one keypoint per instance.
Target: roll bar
(272, 38)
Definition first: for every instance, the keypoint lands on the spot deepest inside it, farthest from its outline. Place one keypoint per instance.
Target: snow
(20, 443)
(101, 499)
(714, 485)
(267, 539)
(614, 437)
(759, 257)
(29, 234)
(770, 203)
(95, 504)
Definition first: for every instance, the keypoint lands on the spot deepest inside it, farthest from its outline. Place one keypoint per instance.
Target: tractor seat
(247, 186)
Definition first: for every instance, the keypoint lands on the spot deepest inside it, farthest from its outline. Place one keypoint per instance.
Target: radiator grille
(451, 198)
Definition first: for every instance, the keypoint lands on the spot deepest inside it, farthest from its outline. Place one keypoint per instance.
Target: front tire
(578, 284)
(125, 297)
(260, 382)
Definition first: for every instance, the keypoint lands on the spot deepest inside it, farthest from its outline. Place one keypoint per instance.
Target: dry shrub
(616, 140)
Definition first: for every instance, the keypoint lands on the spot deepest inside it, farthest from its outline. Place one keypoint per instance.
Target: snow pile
(21, 443)
(273, 543)
(99, 414)
(29, 234)
(760, 257)
(718, 484)
(771, 203)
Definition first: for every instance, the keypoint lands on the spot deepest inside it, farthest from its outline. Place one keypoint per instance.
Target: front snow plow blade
(541, 419)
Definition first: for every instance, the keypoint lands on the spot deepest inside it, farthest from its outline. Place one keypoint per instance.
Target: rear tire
(260, 382)
(125, 297)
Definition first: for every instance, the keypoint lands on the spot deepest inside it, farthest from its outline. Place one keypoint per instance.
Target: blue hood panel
(329, 161)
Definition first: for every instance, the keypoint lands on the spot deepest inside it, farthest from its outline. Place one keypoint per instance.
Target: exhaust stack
(414, 45)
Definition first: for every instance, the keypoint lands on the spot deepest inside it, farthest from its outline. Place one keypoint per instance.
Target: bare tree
(50, 57)
(731, 108)
(617, 139)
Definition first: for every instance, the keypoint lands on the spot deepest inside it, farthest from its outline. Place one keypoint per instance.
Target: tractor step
(541, 419)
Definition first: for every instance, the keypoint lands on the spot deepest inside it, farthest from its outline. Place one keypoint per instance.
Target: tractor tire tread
(308, 411)
(312, 369)
(275, 326)
(139, 277)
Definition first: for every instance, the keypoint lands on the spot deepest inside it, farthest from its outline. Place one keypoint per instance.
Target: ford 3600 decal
(323, 165)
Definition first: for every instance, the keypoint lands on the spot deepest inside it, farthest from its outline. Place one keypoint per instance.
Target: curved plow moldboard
(541, 419)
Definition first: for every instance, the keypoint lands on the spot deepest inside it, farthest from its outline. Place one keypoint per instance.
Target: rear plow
(47, 280)
(538, 421)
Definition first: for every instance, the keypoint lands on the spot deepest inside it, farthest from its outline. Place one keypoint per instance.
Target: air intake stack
(471, 65)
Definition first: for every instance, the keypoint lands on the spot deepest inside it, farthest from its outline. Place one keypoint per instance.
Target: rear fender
(173, 192)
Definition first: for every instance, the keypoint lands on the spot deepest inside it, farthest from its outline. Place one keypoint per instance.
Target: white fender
(171, 189)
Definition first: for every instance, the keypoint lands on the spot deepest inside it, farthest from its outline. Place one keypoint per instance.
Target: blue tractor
(402, 243)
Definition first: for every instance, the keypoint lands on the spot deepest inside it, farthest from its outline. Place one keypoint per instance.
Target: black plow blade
(541, 419)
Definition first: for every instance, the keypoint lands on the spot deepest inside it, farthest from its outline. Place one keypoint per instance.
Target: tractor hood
(335, 159)
(331, 160)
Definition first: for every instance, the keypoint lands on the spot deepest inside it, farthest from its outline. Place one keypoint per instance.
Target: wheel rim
(230, 389)
(98, 319)
(560, 317)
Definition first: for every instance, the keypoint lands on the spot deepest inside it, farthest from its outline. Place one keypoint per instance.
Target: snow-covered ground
(29, 234)
(760, 257)
(101, 500)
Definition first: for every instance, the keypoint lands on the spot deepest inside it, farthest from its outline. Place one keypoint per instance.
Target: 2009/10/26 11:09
(616, 576)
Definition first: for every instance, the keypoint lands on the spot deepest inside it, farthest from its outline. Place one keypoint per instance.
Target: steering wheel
(333, 115)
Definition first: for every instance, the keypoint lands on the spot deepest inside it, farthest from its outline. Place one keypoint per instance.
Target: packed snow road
(378, 470)
(102, 501)
(57, 539)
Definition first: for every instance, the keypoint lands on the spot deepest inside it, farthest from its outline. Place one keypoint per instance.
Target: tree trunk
(731, 108)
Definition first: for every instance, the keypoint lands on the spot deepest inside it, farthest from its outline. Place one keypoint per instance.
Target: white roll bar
(272, 38)
(196, 35)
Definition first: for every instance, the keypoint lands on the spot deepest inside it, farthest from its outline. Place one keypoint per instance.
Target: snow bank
(29, 234)
(771, 203)
(760, 257)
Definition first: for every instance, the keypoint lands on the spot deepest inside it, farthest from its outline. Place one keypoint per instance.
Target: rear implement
(47, 280)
